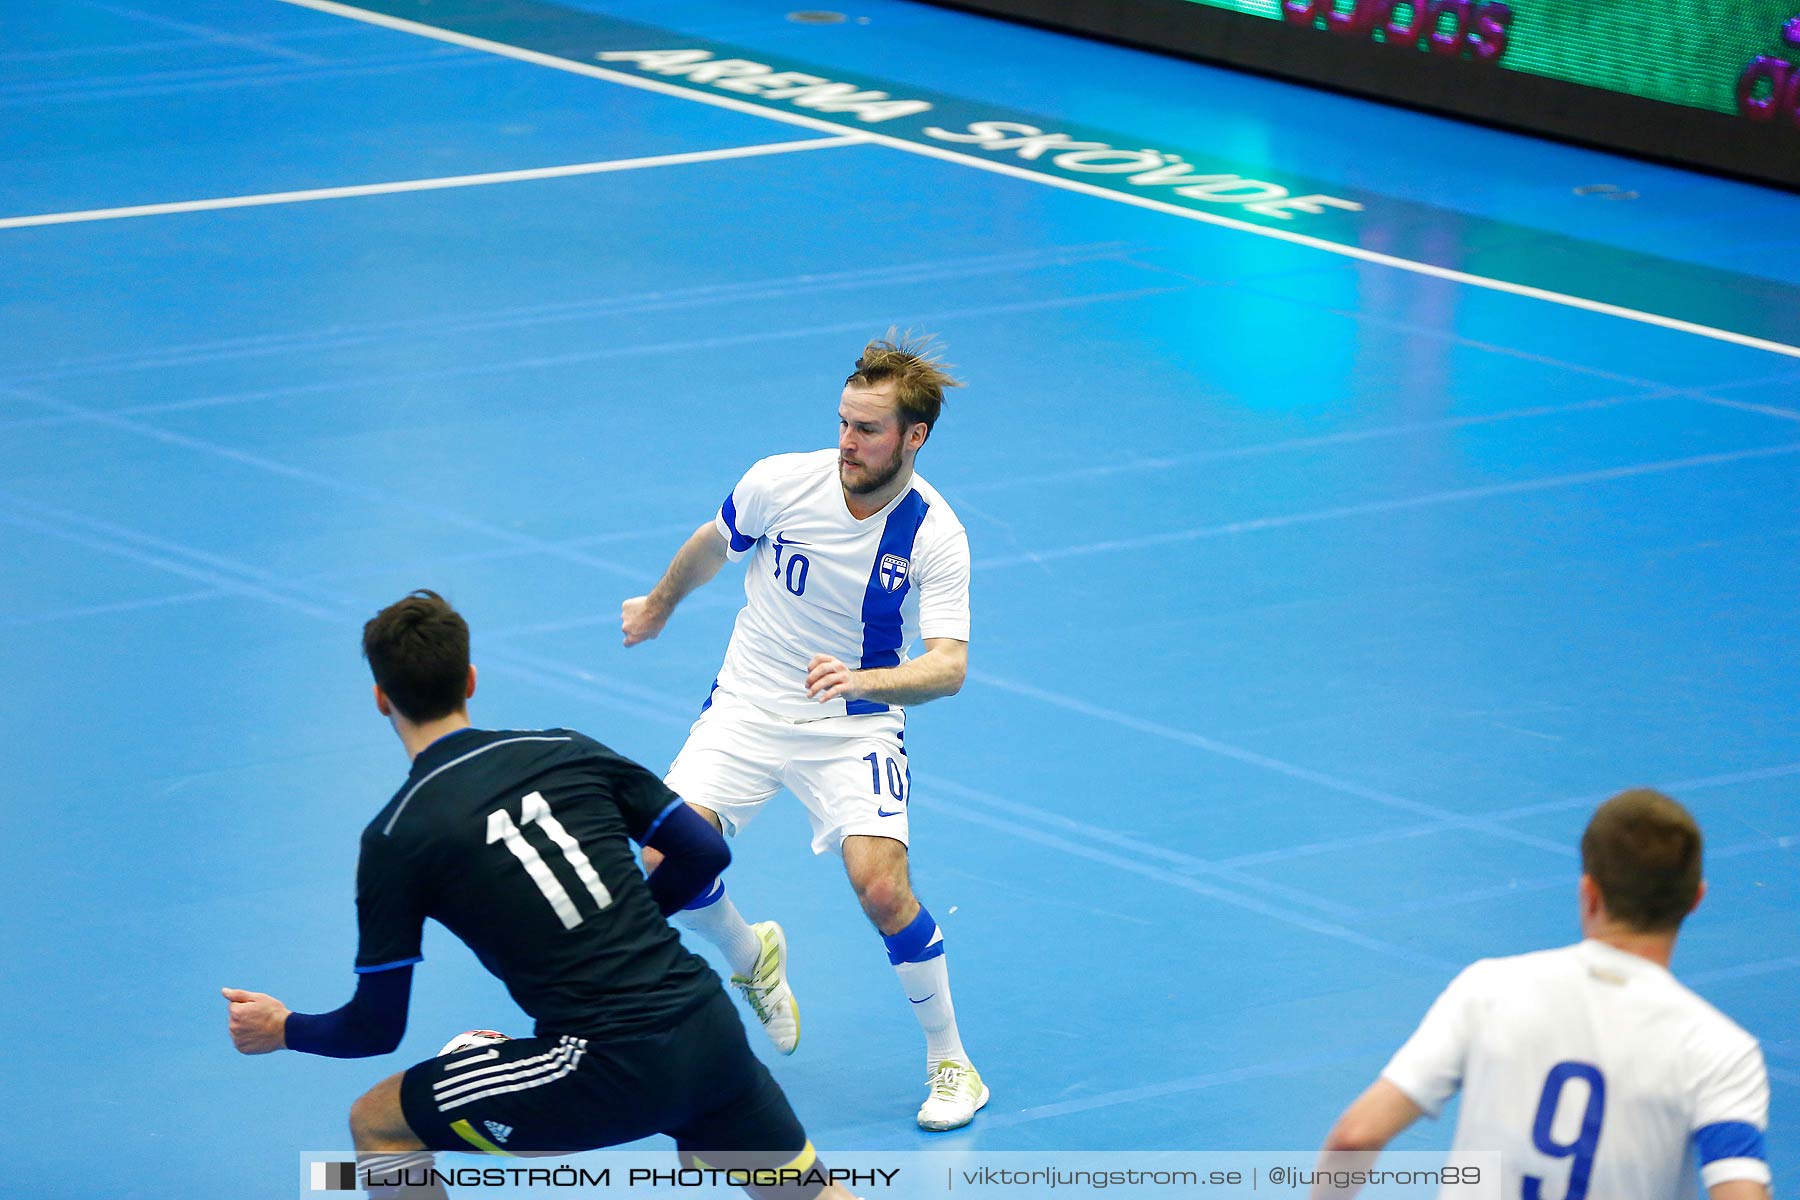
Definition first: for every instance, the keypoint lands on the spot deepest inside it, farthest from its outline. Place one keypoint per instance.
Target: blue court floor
(1329, 567)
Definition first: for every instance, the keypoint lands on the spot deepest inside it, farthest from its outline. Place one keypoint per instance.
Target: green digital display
(1740, 58)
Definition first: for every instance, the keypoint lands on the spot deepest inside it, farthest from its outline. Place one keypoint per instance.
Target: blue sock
(710, 896)
(919, 941)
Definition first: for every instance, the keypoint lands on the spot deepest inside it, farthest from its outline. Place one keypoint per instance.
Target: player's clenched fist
(829, 679)
(257, 1022)
(640, 621)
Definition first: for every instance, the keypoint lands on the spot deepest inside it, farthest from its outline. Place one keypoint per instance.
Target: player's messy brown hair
(1643, 851)
(916, 367)
(418, 651)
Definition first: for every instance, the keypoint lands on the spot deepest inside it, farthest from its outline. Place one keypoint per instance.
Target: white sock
(927, 985)
(721, 924)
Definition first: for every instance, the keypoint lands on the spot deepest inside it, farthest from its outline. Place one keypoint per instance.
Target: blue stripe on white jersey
(1730, 1139)
(821, 580)
(728, 510)
(888, 584)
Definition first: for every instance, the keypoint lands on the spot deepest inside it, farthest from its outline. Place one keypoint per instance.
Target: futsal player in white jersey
(852, 557)
(1590, 1069)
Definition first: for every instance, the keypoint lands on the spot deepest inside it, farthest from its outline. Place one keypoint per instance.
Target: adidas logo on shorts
(500, 1132)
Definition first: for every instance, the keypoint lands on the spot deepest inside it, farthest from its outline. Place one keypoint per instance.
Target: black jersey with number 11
(519, 843)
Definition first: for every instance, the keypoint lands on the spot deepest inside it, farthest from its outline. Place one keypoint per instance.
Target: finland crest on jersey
(819, 581)
(892, 572)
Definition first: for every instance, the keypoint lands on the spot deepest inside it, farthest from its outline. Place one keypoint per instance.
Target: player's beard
(875, 481)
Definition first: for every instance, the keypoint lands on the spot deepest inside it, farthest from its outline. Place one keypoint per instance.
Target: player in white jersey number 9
(1591, 1071)
(852, 557)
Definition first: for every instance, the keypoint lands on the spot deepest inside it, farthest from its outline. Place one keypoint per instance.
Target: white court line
(856, 1135)
(1188, 883)
(1188, 864)
(1475, 824)
(1767, 410)
(1373, 507)
(207, 33)
(1071, 185)
(430, 185)
(1173, 462)
(331, 483)
(1745, 971)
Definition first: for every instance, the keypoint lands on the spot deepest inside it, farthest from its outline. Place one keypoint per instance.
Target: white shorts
(850, 772)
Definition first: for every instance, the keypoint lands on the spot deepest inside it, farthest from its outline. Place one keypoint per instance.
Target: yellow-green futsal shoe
(766, 989)
(957, 1094)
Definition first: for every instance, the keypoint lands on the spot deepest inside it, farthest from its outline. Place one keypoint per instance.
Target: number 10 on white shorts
(850, 772)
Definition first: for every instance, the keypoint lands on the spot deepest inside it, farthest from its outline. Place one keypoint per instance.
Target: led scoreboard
(1713, 83)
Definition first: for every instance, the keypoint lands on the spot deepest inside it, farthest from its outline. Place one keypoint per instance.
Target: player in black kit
(519, 843)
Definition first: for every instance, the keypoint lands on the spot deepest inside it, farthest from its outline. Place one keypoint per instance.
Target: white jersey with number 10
(820, 581)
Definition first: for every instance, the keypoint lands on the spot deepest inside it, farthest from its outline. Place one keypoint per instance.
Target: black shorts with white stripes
(697, 1082)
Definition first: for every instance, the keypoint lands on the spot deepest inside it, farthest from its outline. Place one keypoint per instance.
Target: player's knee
(885, 898)
(376, 1122)
(363, 1122)
(653, 858)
